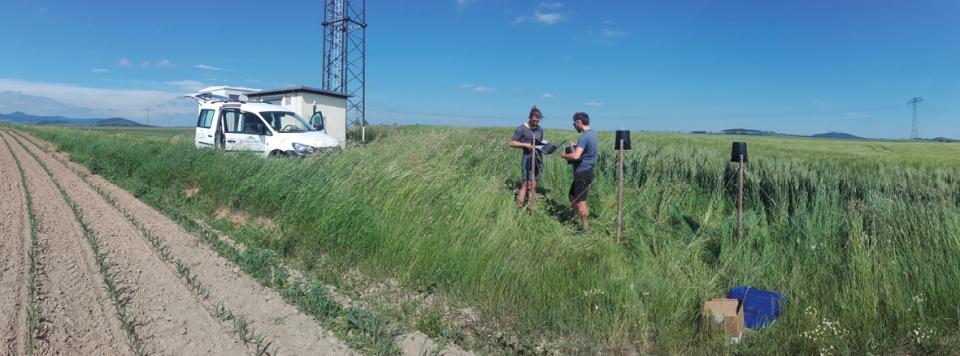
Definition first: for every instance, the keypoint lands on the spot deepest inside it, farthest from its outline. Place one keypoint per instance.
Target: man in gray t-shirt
(526, 137)
(583, 156)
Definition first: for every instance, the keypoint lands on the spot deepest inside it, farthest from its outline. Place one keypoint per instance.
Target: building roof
(298, 89)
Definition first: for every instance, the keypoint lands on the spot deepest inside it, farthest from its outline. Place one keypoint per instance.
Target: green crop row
(32, 308)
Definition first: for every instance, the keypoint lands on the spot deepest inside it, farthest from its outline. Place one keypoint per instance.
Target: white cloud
(548, 18)
(614, 33)
(462, 4)
(477, 88)
(549, 96)
(821, 102)
(206, 67)
(858, 115)
(102, 102)
(186, 85)
(593, 103)
(11, 101)
(545, 13)
(163, 63)
(99, 70)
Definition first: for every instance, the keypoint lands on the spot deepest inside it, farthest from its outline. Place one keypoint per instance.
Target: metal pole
(620, 194)
(363, 77)
(740, 202)
(343, 22)
(532, 189)
(325, 80)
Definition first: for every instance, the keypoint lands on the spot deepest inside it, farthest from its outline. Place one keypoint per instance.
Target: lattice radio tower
(915, 101)
(344, 56)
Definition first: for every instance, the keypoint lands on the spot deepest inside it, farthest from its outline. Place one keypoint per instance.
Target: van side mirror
(317, 121)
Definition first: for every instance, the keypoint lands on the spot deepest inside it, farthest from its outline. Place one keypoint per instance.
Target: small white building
(308, 101)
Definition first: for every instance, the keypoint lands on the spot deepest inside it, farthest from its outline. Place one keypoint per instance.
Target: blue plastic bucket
(760, 307)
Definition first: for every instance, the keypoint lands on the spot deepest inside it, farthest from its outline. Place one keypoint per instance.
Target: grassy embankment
(862, 237)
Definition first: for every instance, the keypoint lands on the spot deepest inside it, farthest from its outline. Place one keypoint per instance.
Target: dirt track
(76, 312)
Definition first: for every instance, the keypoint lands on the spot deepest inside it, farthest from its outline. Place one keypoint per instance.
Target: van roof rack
(212, 98)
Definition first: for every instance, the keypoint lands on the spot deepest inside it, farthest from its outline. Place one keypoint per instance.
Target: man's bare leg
(584, 212)
(522, 195)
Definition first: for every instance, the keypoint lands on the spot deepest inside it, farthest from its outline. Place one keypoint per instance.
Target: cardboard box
(728, 312)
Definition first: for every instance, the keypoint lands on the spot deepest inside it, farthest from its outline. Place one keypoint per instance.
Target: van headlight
(304, 149)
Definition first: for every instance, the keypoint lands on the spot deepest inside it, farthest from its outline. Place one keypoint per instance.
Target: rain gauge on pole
(739, 154)
(621, 143)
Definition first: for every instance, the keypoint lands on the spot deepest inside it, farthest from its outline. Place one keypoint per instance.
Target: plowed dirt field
(115, 277)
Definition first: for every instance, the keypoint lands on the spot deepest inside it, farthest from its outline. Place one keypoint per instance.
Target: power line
(914, 101)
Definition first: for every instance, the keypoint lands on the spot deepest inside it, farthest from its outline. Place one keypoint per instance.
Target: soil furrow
(290, 330)
(76, 316)
(14, 243)
(174, 321)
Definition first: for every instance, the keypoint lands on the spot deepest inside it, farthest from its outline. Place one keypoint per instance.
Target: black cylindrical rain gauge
(623, 135)
(739, 148)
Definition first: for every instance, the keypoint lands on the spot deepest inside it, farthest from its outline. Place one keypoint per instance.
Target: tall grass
(861, 237)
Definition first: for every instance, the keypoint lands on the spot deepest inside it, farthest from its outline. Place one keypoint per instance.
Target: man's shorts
(580, 186)
(525, 169)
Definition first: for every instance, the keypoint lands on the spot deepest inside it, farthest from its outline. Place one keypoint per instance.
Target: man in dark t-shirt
(583, 156)
(526, 137)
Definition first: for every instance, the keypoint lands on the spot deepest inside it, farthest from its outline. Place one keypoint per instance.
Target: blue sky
(791, 66)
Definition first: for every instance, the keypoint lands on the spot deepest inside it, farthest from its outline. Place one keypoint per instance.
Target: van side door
(205, 129)
(318, 122)
(254, 131)
(243, 131)
(230, 119)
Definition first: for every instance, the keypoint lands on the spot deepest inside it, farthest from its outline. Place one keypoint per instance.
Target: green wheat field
(861, 237)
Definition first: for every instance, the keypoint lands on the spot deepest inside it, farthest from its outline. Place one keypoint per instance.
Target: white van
(269, 129)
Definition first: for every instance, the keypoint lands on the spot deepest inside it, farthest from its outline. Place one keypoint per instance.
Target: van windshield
(285, 121)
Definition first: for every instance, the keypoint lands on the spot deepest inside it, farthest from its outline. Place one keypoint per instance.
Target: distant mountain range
(837, 136)
(831, 135)
(827, 135)
(27, 119)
